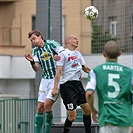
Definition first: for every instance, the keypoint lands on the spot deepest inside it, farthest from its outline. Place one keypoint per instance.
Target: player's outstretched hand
(28, 57)
(54, 92)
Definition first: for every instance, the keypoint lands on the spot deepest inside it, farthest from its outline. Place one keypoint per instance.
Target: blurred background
(56, 19)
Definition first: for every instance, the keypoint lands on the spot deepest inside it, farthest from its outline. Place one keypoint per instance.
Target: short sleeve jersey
(72, 62)
(132, 76)
(113, 84)
(44, 56)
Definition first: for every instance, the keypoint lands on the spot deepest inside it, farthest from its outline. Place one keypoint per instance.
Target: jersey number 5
(113, 83)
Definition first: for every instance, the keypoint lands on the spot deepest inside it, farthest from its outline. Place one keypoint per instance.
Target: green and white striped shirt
(44, 56)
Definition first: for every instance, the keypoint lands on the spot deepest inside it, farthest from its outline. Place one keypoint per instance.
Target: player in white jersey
(71, 69)
(43, 56)
(113, 83)
(68, 74)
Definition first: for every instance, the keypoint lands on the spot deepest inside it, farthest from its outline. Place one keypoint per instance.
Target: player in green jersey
(113, 83)
(43, 56)
(132, 105)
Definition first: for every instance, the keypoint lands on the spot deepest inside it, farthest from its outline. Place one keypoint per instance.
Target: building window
(33, 25)
(113, 28)
(33, 22)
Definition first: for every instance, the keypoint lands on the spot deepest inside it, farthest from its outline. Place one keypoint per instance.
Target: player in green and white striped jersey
(43, 56)
(113, 83)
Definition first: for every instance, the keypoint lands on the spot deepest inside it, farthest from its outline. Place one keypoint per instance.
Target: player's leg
(86, 117)
(39, 117)
(69, 120)
(48, 114)
(50, 100)
(69, 96)
(85, 107)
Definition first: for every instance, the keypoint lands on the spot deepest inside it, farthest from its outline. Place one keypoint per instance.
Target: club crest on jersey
(45, 56)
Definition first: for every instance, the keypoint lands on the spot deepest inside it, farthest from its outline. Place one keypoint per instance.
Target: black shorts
(73, 94)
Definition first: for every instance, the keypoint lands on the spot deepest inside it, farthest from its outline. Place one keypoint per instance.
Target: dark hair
(35, 32)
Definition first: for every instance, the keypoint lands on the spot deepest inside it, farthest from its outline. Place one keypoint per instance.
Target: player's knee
(48, 106)
(40, 108)
(87, 111)
(72, 118)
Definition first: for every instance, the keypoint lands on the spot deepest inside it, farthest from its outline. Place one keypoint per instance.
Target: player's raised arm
(34, 64)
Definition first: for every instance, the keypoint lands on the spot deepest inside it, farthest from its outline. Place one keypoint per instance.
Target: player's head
(36, 38)
(35, 32)
(71, 41)
(111, 50)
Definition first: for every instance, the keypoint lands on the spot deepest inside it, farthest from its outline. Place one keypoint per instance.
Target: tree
(99, 38)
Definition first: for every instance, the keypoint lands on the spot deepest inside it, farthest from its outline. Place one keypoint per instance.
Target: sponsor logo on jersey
(72, 58)
(45, 56)
(75, 64)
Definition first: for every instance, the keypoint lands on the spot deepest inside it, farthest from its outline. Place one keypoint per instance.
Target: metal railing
(17, 115)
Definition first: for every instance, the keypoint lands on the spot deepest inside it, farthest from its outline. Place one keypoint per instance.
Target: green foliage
(99, 38)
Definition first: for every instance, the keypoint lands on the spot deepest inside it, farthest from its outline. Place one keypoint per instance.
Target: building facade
(16, 76)
(18, 17)
(116, 19)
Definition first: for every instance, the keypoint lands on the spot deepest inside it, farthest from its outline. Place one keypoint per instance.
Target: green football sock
(38, 122)
(48, 121)
(43, 121)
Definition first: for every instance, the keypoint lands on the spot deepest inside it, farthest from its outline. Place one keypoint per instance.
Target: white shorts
(45, 90)
(114, 129)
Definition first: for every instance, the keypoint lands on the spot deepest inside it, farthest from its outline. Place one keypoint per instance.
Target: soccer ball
(91, 12)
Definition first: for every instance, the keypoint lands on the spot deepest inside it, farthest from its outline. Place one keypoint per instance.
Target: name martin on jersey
(113, 68)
